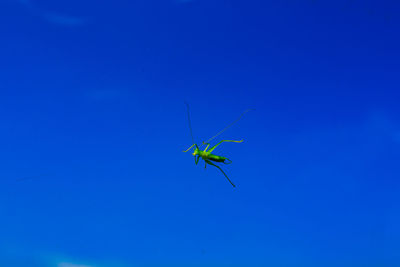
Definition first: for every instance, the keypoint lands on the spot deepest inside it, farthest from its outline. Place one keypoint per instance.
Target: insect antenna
(190, 124)
(227, 127)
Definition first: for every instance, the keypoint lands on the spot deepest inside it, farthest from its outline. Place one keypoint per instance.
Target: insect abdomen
(216, 158)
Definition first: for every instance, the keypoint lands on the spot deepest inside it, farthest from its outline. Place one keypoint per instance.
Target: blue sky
(93, 124)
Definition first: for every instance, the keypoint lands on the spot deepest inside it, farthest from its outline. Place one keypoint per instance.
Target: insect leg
(230, 161)
(209, 162)
(196, 159)
(206, 146)
(190, 147)
(224, 141)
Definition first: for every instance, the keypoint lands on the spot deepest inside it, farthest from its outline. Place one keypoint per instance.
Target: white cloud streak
(68, 264)
(52, 17)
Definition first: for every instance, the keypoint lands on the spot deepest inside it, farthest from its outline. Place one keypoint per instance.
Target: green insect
(207, 155)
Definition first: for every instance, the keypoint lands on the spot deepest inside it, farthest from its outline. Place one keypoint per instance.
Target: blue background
(93, 124)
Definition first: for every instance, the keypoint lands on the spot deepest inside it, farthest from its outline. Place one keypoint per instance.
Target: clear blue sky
(93, 124)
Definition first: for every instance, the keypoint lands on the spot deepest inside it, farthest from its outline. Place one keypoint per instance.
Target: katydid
(207, 155)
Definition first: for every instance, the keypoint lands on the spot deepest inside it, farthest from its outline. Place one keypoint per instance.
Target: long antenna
(226, 128)
(190, 124)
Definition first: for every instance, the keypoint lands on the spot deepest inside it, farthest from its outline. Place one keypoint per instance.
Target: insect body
(207, 155)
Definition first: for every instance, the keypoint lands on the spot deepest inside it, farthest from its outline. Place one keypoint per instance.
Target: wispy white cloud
(15, 255)
(52, 17)
(60, 260)
(68, 264)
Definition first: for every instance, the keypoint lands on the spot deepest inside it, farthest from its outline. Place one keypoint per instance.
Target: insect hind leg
(209, 162)
(230, 161)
